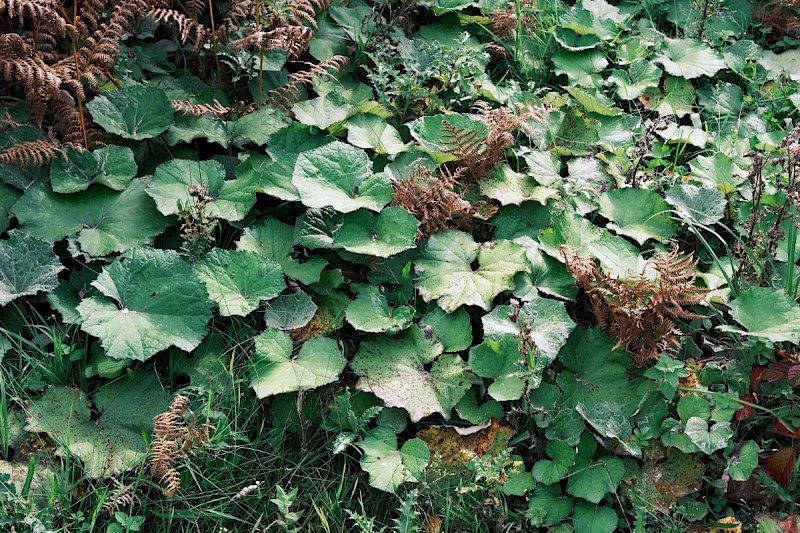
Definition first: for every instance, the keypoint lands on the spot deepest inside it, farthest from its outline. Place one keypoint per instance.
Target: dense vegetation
(399, 265)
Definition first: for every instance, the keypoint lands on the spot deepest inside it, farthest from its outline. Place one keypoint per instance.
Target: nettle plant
(276, 223)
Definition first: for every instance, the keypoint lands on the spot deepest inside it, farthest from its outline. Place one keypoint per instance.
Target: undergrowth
(408, 265)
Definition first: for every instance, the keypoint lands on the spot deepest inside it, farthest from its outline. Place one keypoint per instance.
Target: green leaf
(27, 266)
(787, 62)
(453, 330)
(544, 166)
(579, 66)
(383, 235)
(370, 312)
(415, 456)
(588, 518)
(384, 463)
(290, 311)
(637, 213)
(510, 187)
(690, 58)
(366, 130)
(468, 408)
(238, 281)
(678, 98)
(430, 132)
(597, 479)
(696, 205)
(274, 368)
(172, 182)
(393, 370)
(596, 383)
(151, 300)
(675, 134)
(717, 171)
(133, 112)
(692, 405)
(275, 240)
(114, 442)
(547, 276)
(566, 426)
(618, 257)
(594, 103)
(741, 466)
(339, 175)
(323, 111)
(207, 367)
(547, 507)
(708, 439)
(274, 173)
(445, 272)
(765, 313)
(106, 221)
(497, 360)
(112, 166)
(640, 76)
(563, 458)
(258, 126)
(8, 197)
(550, 325)
(569, 229)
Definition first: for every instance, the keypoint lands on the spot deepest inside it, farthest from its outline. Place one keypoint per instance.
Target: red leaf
(781, 428)
(780, 464)
(746, 411)
(755, 378)
(778, 371)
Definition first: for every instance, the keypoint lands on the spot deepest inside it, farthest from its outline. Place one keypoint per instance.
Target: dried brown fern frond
(433, 202)
(238, 12)
(307, 10)
(19, 62)
(285, 97)
(639, 311)
(32, 153)
(176, 435)
(504, 22)
(214, 108)
(195, 8)
(90, 15)
(120, 497)
(43, 16)
(185, 25)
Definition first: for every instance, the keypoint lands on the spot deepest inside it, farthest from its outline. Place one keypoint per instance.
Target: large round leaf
(237, 281)
(690, 58)
(105, 221)
(151, 300)
(766, 313)
(275, 369)
(275, 240)
(371, 313)
(133, 112)
(172, 181)
(112, 443)
(339, 175)
(27, 266)
(112, 166)
(383, 235)
(638, 213)
(393, 370)
(445, 270)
